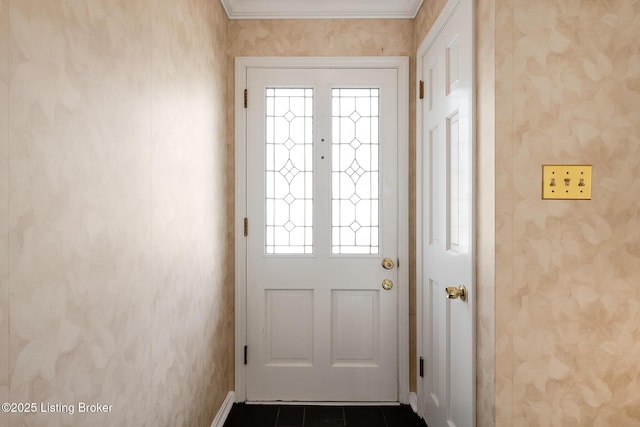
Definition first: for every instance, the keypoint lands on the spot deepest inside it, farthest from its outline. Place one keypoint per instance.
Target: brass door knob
(387, 264)
(387, 284)
(453, 292)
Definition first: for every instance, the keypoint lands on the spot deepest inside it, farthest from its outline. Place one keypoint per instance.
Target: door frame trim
(242, 64)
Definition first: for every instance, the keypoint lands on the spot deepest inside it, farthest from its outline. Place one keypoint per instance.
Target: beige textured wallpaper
(324, 37)
(427, 15)
(567, 79)
(113, 205)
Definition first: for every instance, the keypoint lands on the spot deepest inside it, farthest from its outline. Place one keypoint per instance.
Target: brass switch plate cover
(572, 182)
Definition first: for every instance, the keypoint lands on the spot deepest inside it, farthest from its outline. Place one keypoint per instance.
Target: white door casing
(445, 220)
(302, 315)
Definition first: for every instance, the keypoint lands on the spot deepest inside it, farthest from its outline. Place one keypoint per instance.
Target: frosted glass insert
(289, 171)
(355, 171)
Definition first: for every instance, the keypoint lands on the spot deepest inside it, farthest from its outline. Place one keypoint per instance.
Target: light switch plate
(571, 182)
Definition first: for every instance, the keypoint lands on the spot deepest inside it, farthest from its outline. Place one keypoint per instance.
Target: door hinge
(246, 95)
(421, 365)
(246, 227)
(421, 90)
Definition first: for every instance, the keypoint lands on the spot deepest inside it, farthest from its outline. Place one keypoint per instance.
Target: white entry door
(445, 221)
(322, 210)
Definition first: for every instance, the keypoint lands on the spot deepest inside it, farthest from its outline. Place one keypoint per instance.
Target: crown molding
(321, 9)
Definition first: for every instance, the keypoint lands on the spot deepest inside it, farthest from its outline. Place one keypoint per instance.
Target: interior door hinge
(246, 227)
(245, 354)
(246, 95)
(421, 365)
(421, 91)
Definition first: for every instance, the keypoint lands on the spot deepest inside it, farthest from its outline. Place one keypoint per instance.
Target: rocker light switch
(566, 182)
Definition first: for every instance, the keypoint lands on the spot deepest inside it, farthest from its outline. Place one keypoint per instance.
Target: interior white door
(446, 248)
(322, 215)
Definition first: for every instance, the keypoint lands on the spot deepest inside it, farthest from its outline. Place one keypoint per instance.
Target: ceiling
(321, 9)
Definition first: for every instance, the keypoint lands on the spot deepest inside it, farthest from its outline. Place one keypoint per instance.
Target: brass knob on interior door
(387, 264)
(387, 284)
(453, 292)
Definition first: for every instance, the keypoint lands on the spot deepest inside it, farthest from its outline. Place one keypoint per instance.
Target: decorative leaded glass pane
(289, 171)
(355, 171)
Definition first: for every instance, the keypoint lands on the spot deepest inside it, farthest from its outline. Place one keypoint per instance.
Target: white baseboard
(413, 401)
(224, 410)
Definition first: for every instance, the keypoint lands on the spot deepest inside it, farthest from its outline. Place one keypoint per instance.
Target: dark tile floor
(243, 415)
